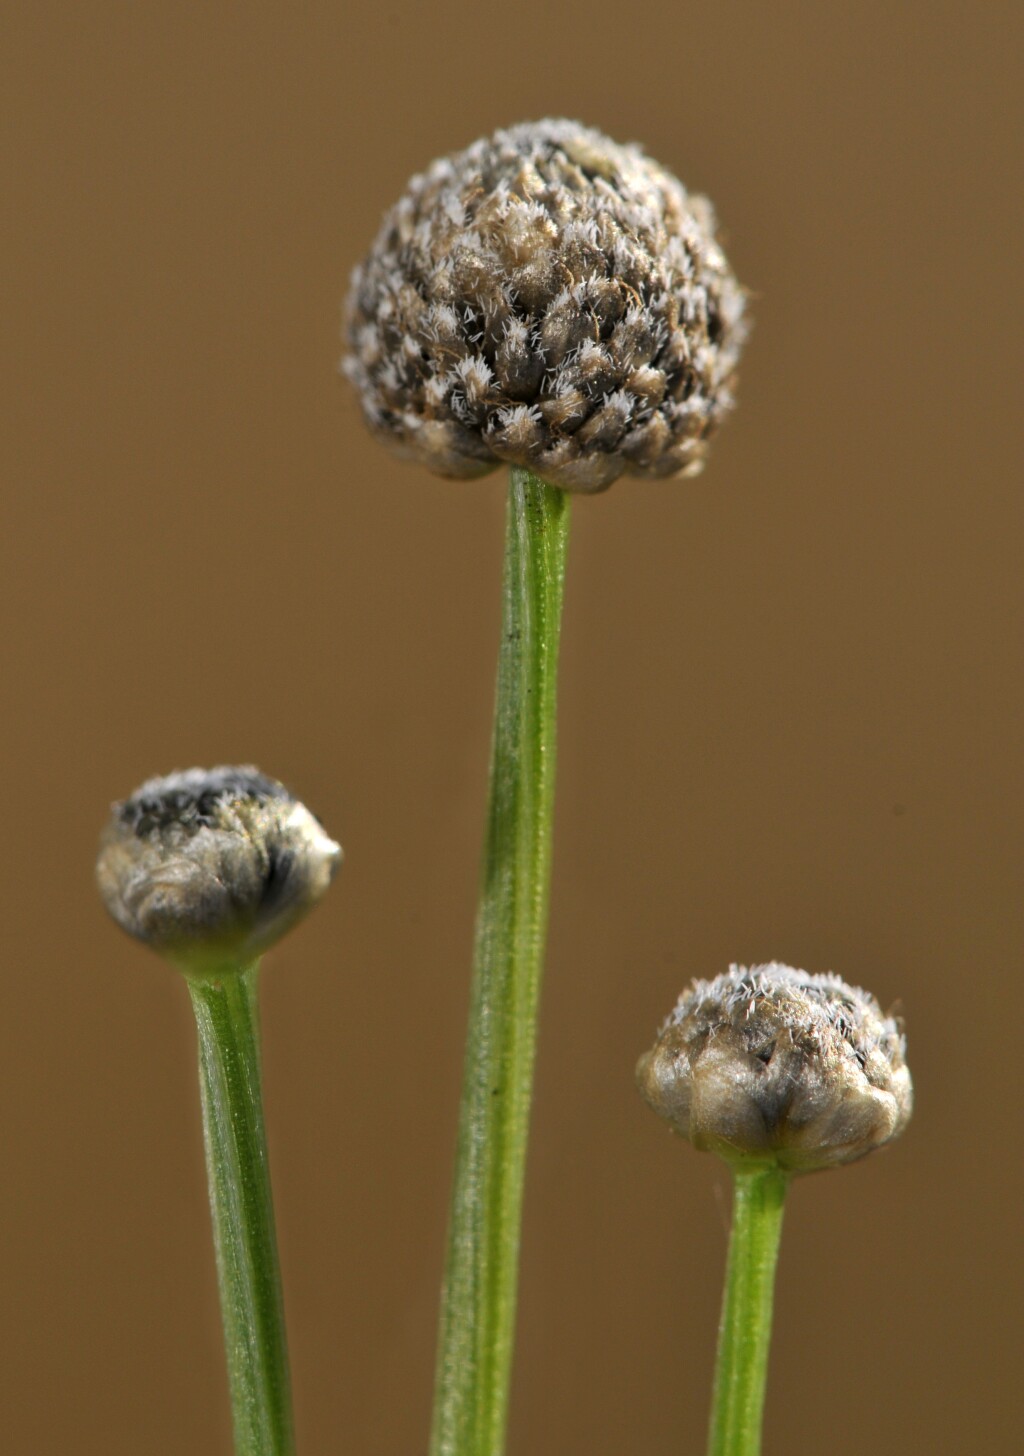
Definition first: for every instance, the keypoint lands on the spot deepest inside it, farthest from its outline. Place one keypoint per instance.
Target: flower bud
(549, 299)
(770, 1064)
(211, 866)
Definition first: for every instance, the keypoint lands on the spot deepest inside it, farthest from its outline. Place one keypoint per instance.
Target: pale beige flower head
(770, 1064)
(550, 299)
(211, 866)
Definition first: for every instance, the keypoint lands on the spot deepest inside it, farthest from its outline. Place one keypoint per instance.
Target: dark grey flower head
(550, 299)
(211, 866)
(770, 1064)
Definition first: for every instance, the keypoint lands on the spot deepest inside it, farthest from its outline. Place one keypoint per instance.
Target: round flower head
(549, 299)
(211, 866)
(771, 1064)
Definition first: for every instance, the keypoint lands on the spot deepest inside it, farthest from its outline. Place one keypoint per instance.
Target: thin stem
(479, 1296)
(745, 1332)
(227, 1018)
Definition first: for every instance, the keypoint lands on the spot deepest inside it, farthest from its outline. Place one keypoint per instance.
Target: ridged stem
(245, 1243)
(479, 1295)
(745, 1331)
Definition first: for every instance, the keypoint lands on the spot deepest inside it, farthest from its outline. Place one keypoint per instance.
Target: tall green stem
(227, 1017)
(745, 1332)
(479, 1297)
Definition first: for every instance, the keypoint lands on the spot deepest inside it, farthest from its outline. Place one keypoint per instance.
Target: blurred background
(791, 714)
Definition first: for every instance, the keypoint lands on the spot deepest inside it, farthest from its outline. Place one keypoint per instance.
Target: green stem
(479, 1296)
(227, 1017)
(745, 1332)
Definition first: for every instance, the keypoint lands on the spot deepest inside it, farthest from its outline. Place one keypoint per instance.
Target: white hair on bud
(771, 1064)
(211, 866)
(547, 266)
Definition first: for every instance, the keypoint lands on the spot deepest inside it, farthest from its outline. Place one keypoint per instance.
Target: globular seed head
(771, 1064)
(547, 267)
(211, 866)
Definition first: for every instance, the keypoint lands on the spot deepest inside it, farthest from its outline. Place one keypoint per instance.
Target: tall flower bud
(550, 299)
(773, 1065)
(211, 866)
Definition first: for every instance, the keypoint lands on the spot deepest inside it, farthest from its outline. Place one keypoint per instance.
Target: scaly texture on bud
(211, 866)
(549, 299)
(770, 1064)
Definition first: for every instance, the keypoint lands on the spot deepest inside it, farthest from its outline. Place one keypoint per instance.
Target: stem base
(745, 1331)
(245, 1243)
(479, 1296)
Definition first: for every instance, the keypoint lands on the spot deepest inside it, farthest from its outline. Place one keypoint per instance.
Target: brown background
(791, 713)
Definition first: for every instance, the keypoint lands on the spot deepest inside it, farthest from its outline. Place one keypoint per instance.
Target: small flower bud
(774, 1065)
(211, 866)
(549, 299)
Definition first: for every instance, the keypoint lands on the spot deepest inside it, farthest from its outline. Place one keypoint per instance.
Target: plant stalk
(745, 1332)
(227, 1018)
(479, 1295)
